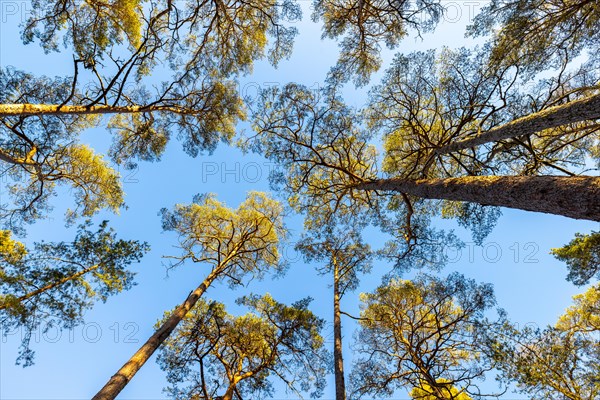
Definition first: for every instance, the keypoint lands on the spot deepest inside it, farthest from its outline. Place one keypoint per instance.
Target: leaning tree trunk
(340, 385)
(571, 196)
(576, 111)
(118, 381)
(9, 110)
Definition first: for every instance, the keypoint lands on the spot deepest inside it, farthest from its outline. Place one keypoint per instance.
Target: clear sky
(529, 283)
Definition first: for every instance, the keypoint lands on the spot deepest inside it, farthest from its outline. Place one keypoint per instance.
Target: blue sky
(529, 283)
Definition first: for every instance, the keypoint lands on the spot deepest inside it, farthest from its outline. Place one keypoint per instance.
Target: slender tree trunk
(7, 110)
(574, 196)
(340, 385)
(576, 111)
(55, 284)
(118, 381)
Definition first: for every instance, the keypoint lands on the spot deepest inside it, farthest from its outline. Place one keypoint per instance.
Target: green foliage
(364, 25)
(138, 136)
(539, 33)
(563, 360)
(11, 251)
(96, 185)
(234, 242)
(415, 244)
(203, 46)
(426, 334)
(428, 100)
(91, 26)
(214, 353)
(233, 34)
(322, 151)
(582, 256)
(43, 154)
(341, 248)
(221, 36)
(427, 392)
(205, 115)
(479, 219)
(53, 284)
(583, 315)
(319, 151)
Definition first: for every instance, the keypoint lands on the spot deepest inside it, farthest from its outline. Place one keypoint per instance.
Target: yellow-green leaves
(96, 185)
(320, 150)
(582, 256)
(11, 251)
(91, 25)
(443, 389)
(233, 241)
(539, 34)
(55, 283)
(584, 314)
(138, 136)
(563, 359)
(128, 14)
(417, 332)
(244, 353)
(427, 100)
(365, 27)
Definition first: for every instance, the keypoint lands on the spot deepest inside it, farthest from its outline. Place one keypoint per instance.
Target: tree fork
(119, 380)
(573, 196)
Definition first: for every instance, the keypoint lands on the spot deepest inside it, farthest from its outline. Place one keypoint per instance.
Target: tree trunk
(576, 111)
(229, 393)
(7, 110)
(574, 196)
(340, 385)
(118, 381)
(53, 285)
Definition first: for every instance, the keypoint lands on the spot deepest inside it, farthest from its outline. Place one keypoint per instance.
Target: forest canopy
(383, 180)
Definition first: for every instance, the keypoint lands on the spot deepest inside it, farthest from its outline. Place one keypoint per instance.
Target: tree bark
(340, 385)
(574, 196)
(28, 160)
(8, 110)
(576, 111)
(229, 393)
(118, 381)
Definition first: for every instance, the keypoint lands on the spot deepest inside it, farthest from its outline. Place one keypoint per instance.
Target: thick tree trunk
(7, 110)
(118, 381)
(576, 111)
(55, 284)
(574, 196)
(340, 385)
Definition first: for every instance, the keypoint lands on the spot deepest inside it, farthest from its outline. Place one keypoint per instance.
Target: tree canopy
(234, 244)
(425, 334)
(217, 355)
(447, 133)
(559, 360)
(54, 284)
